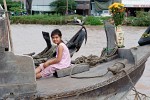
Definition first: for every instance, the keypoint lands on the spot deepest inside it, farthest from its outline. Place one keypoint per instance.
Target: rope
(137, 94)
(104, 52)
(109, 69)
(83, 77)
(117, 71)
(141, 94)
(92, 60)
(132, 84)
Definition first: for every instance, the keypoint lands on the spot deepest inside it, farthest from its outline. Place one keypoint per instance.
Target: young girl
(62, 59)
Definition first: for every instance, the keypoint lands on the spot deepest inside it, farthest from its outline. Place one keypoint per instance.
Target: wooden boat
(17, 77)
(107, 87)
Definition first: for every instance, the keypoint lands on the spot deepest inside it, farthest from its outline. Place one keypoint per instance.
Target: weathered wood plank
(4, 34)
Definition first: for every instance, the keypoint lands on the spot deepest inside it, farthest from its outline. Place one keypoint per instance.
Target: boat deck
(53, 86)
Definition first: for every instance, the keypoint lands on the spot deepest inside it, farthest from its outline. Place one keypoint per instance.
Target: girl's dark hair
(56, 32)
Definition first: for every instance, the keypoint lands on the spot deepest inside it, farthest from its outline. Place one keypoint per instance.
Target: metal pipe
(8, 25)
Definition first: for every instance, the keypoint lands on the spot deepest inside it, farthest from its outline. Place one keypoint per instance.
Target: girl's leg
(46, 72)
(38, 75)
(38, 70)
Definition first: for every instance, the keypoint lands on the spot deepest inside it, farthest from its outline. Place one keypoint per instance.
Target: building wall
(136, 5)
(93, 9)
(131, 5)
(42, 5)
(83, 7)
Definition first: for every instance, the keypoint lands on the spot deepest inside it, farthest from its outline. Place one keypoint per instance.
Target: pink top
(65, 60)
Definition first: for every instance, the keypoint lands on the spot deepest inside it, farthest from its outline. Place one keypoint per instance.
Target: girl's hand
(55, 60)
(46, 64)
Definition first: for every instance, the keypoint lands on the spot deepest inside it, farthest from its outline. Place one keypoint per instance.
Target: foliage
(118, 13)
(91, 20)
(13, 6)
(141, 19)
(55, 19)
(16, 9)
(142, 14)
(60, 6)
(41, 19)
(145, 35)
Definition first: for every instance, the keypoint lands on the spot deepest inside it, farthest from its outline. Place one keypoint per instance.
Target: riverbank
(142, 19)
(56, 19)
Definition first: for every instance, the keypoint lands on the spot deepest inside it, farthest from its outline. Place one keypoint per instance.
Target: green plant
(13, 5)
(145, 35)
(60, 6)
(142, 14)
(55, 19)
(118, 13)
(141, 19)
(91, 20)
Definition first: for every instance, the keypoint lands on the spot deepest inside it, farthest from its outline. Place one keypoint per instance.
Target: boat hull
(117, 90)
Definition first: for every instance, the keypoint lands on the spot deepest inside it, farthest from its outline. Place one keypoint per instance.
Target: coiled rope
(92, 60)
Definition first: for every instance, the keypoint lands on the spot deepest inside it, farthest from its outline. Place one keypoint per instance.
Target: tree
(61, 6)
(13, 6)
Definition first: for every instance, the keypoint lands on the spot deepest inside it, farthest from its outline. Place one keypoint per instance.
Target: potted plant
(118, 15)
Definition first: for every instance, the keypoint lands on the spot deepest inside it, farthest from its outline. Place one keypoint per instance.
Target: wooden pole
(66, 7)
(8, 25)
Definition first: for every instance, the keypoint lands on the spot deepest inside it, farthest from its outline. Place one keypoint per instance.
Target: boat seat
(73, 69)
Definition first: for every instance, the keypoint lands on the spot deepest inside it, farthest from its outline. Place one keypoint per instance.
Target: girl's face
(56, 39)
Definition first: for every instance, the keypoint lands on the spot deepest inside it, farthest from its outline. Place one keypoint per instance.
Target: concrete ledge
(17, 74)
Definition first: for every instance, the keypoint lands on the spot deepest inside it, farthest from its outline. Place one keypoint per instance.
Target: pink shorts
(47, 71)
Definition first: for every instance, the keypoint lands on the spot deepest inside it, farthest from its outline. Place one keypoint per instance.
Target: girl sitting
(62, 59)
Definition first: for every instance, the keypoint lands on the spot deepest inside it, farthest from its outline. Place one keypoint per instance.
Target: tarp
(103, 4)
